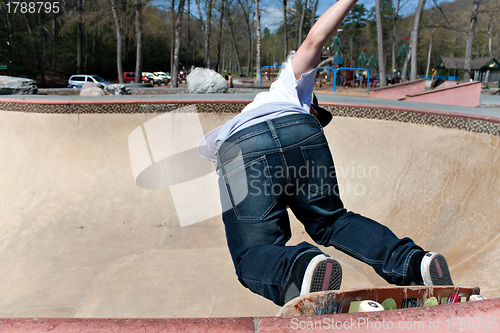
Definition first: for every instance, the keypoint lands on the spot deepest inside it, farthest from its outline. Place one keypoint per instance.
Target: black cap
(324, 116)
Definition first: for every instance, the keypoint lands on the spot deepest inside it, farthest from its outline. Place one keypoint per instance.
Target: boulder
(92, 89)
(203, 81)
(117, 89)
(17, 86)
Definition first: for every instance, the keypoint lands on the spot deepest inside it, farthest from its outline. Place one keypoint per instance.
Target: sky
(272, 12)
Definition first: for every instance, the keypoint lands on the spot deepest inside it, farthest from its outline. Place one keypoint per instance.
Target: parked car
(165, 77)
(151, 78)
(77, 81)
(129, 77)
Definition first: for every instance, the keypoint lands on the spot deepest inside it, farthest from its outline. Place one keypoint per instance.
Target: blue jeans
(286, 162)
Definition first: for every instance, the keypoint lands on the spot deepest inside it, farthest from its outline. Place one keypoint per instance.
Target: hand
(307, 56)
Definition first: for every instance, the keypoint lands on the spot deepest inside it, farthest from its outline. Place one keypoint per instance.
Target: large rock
(17, 86)
(202, 81)
(117, 89)
(92, 89)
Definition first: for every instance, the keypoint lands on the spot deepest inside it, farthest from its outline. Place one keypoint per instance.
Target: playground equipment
(328, 68)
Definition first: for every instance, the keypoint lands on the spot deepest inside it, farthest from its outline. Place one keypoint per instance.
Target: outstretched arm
(307, 56)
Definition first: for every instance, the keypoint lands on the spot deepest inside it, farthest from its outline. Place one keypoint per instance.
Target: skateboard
(376, 299)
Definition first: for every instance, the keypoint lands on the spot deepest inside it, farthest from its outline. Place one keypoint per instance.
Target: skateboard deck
(375, 299)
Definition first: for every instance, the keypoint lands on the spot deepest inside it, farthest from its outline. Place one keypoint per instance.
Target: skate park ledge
(449, 93)
(462, 120)
(473, 316)
(398, 91)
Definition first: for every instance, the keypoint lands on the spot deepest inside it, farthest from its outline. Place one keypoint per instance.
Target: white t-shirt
(286, 96)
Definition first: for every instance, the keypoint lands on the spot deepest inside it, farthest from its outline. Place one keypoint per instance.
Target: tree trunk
(233, 40)
(119, 42)
(394, 38)
(138, 32)
(79, 43)
(429, 54)
(405, 65)
(380, 46)
(219, 40)
(470, 39)
(206, 27)
(189, 39)
(259, 44)
(313, 11)
(9, 45)
(246, 12)
(490, 45)
(177, 39)
(285, 25)
(414, 39)
(302, 19)
(38, 51)
(172, 35)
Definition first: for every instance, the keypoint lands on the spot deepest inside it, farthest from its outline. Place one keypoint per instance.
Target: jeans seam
(269, 151)
(243, 167)
(250, 135)
(356, 254)
(309, 180)
(407, 262)
(230, 193)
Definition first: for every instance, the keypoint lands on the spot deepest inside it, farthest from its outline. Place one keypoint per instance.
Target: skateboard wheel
(389, 304)
(476, 298)
(431, 301)
(369, 306)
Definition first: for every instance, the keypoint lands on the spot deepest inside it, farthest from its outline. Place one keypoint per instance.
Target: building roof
(483, 63)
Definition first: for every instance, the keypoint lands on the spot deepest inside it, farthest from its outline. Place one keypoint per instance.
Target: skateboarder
(274, 155)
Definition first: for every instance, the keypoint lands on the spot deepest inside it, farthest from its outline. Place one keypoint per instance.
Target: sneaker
(321, 273)
(435, 270)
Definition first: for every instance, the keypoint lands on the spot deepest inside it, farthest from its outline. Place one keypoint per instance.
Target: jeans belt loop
(272, 128)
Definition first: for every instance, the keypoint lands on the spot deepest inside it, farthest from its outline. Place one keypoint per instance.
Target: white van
(77, 81)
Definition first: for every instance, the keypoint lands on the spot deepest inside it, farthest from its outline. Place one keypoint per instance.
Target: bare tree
(380, 45)
(177, 43)
(119, 40)
(492, 17)
(429, 54)
(247, 8)
(302, 19)
(285, 24)
(470, 39)
(414, 39)
(412, 52)
(139, 5)
(206, 27)
(233, 38)
(79, 43)
(313, 11)
(259, 42)
(397, 6)
(221, 30)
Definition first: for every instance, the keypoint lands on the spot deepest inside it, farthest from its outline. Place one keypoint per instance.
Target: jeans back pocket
(321, 176)
(250, 189)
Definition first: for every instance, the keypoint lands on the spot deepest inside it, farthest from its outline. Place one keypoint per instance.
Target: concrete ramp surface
(79, 237)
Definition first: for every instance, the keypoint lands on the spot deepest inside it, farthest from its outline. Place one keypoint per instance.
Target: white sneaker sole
(322, 273)
(435, 270)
